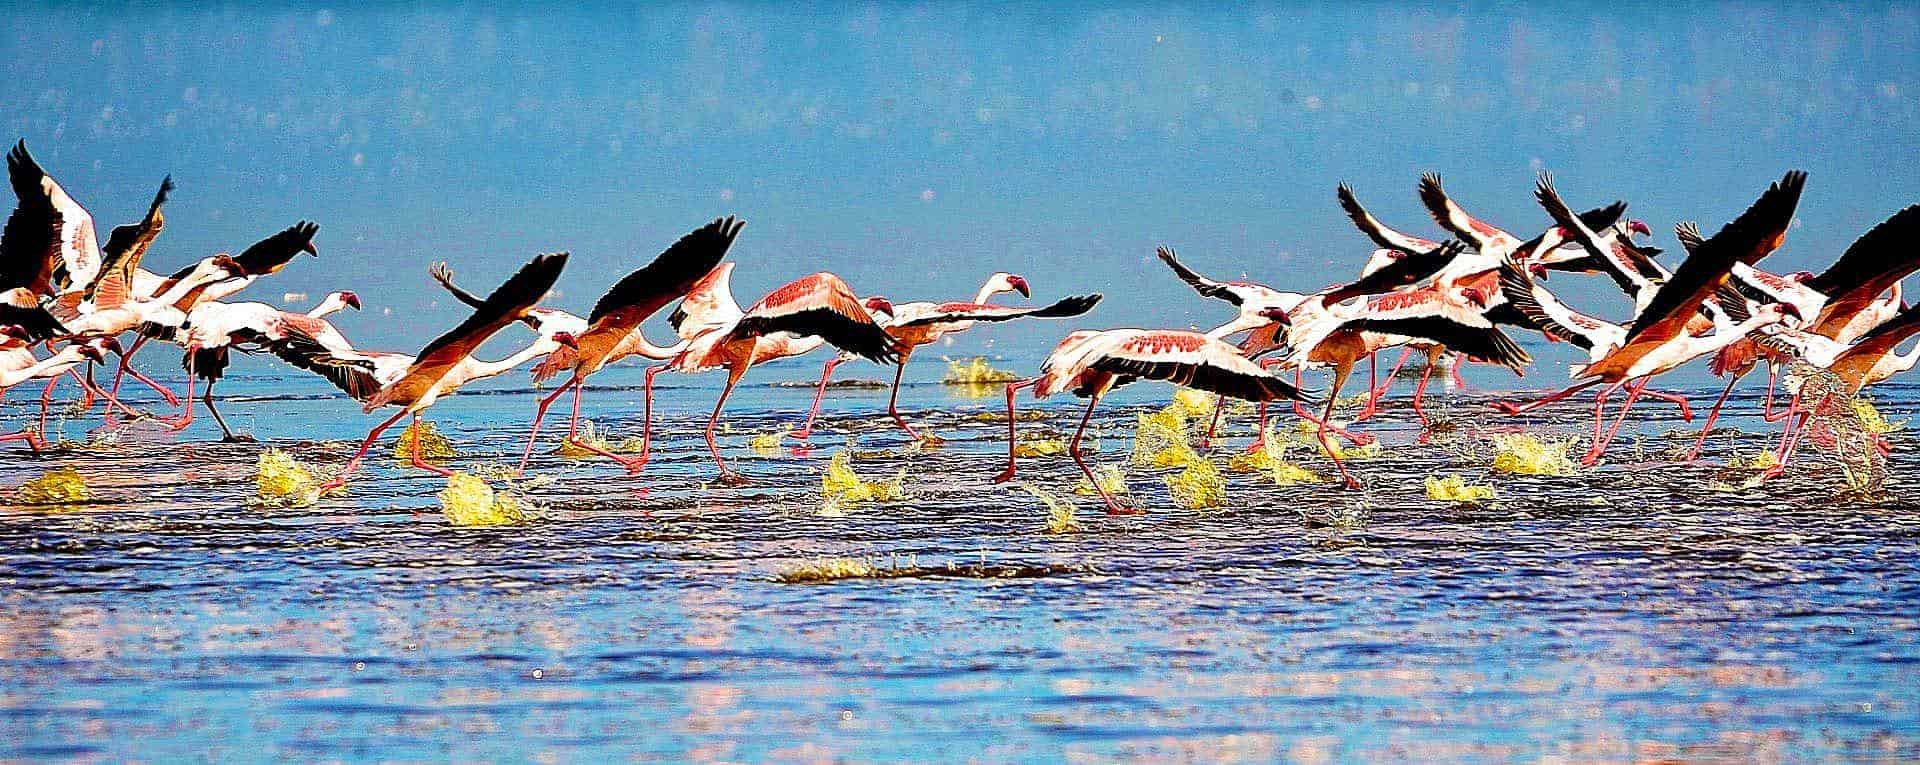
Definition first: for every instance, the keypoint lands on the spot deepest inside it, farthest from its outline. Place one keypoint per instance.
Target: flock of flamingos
(72, 296)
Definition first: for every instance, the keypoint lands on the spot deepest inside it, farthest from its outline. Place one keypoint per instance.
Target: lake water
(1620, 614)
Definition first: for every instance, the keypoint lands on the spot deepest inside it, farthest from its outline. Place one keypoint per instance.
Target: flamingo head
(1006, 282)
(1785, 310)
(226, 263)
(879, 305)
(1279, 316)
(1800, 276)
(1639, 227)
(348, 298)
(13, 332)
(567, 339)
(1476, 296)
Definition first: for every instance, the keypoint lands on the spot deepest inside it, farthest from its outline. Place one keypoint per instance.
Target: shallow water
(1624, 613)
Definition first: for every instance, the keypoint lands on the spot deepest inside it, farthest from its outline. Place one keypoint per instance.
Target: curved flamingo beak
(1789, 309)
(1639, 227)
(1475, 295)
(88, 351)
(1278, 316)
(1019, 284)
(567, 339)
(350, 299)
(227, 262)
(113, 344)
(1538, 269)
(877, 304)
(14, 331)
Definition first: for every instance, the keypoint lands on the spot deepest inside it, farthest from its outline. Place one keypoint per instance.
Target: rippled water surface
(1624, 613)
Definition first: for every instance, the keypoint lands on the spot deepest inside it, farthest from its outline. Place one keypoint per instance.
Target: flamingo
(18, 365)
(612, 331)
(922, 323)
(213, 329)
(1092, 363)
(49, 241)
(1846, 299)
(796, 318)
(414, 383)
(1000, 282)
(1340, 335)
(1868, 361)
(1659, 340)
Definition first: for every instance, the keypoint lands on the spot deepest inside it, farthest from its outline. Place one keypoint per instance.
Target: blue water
(1629, 613)
(1624, 613)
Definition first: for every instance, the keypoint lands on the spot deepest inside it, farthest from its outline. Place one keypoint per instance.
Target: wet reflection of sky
(1622, 614)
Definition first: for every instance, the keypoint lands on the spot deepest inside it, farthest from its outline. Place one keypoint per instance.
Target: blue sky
(916, 148)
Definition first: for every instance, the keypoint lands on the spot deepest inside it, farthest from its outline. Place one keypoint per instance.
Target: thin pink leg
(354, 464)
(1712, 415)
(1686, 407)
(893, 401)
(1219, 406)
(1599, 422)
(418, 458)
(1510, 409)
(1012, 389)
(727, 477)
(1373, 383)
(826, 374)
(1073, 447)
(540, 413)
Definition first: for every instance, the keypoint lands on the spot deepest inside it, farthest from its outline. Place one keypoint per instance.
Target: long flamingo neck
(478, 370)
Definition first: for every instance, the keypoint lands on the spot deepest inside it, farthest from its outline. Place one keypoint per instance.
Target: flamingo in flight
(1659, 340)
(922, 323)
(1092, 363)
(796, 318)
(612, 331)
(414, 383)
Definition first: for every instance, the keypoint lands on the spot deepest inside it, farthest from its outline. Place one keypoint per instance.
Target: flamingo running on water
(1659, 339)
(213, 329)
(18, 365)
(414, 383)
(1092, 363)
(796, 318)
(612, 331)
(1858, 292)
(922, 323)
(1340, 335)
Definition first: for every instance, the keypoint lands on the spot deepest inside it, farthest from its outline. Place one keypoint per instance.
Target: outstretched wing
(708, 305)
(126, 245)
(1406, 271)
(639, 294)
(1193, 360)
(1217, 290)
(1758, 231)
(506, 305)
(820, 305)
(353, 376)
(1876, 261)
(955, 312)
(1377, 231)
(273, 253)
(1540, 307)
(49, 239)
(1483, 236)
(1621, 263)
